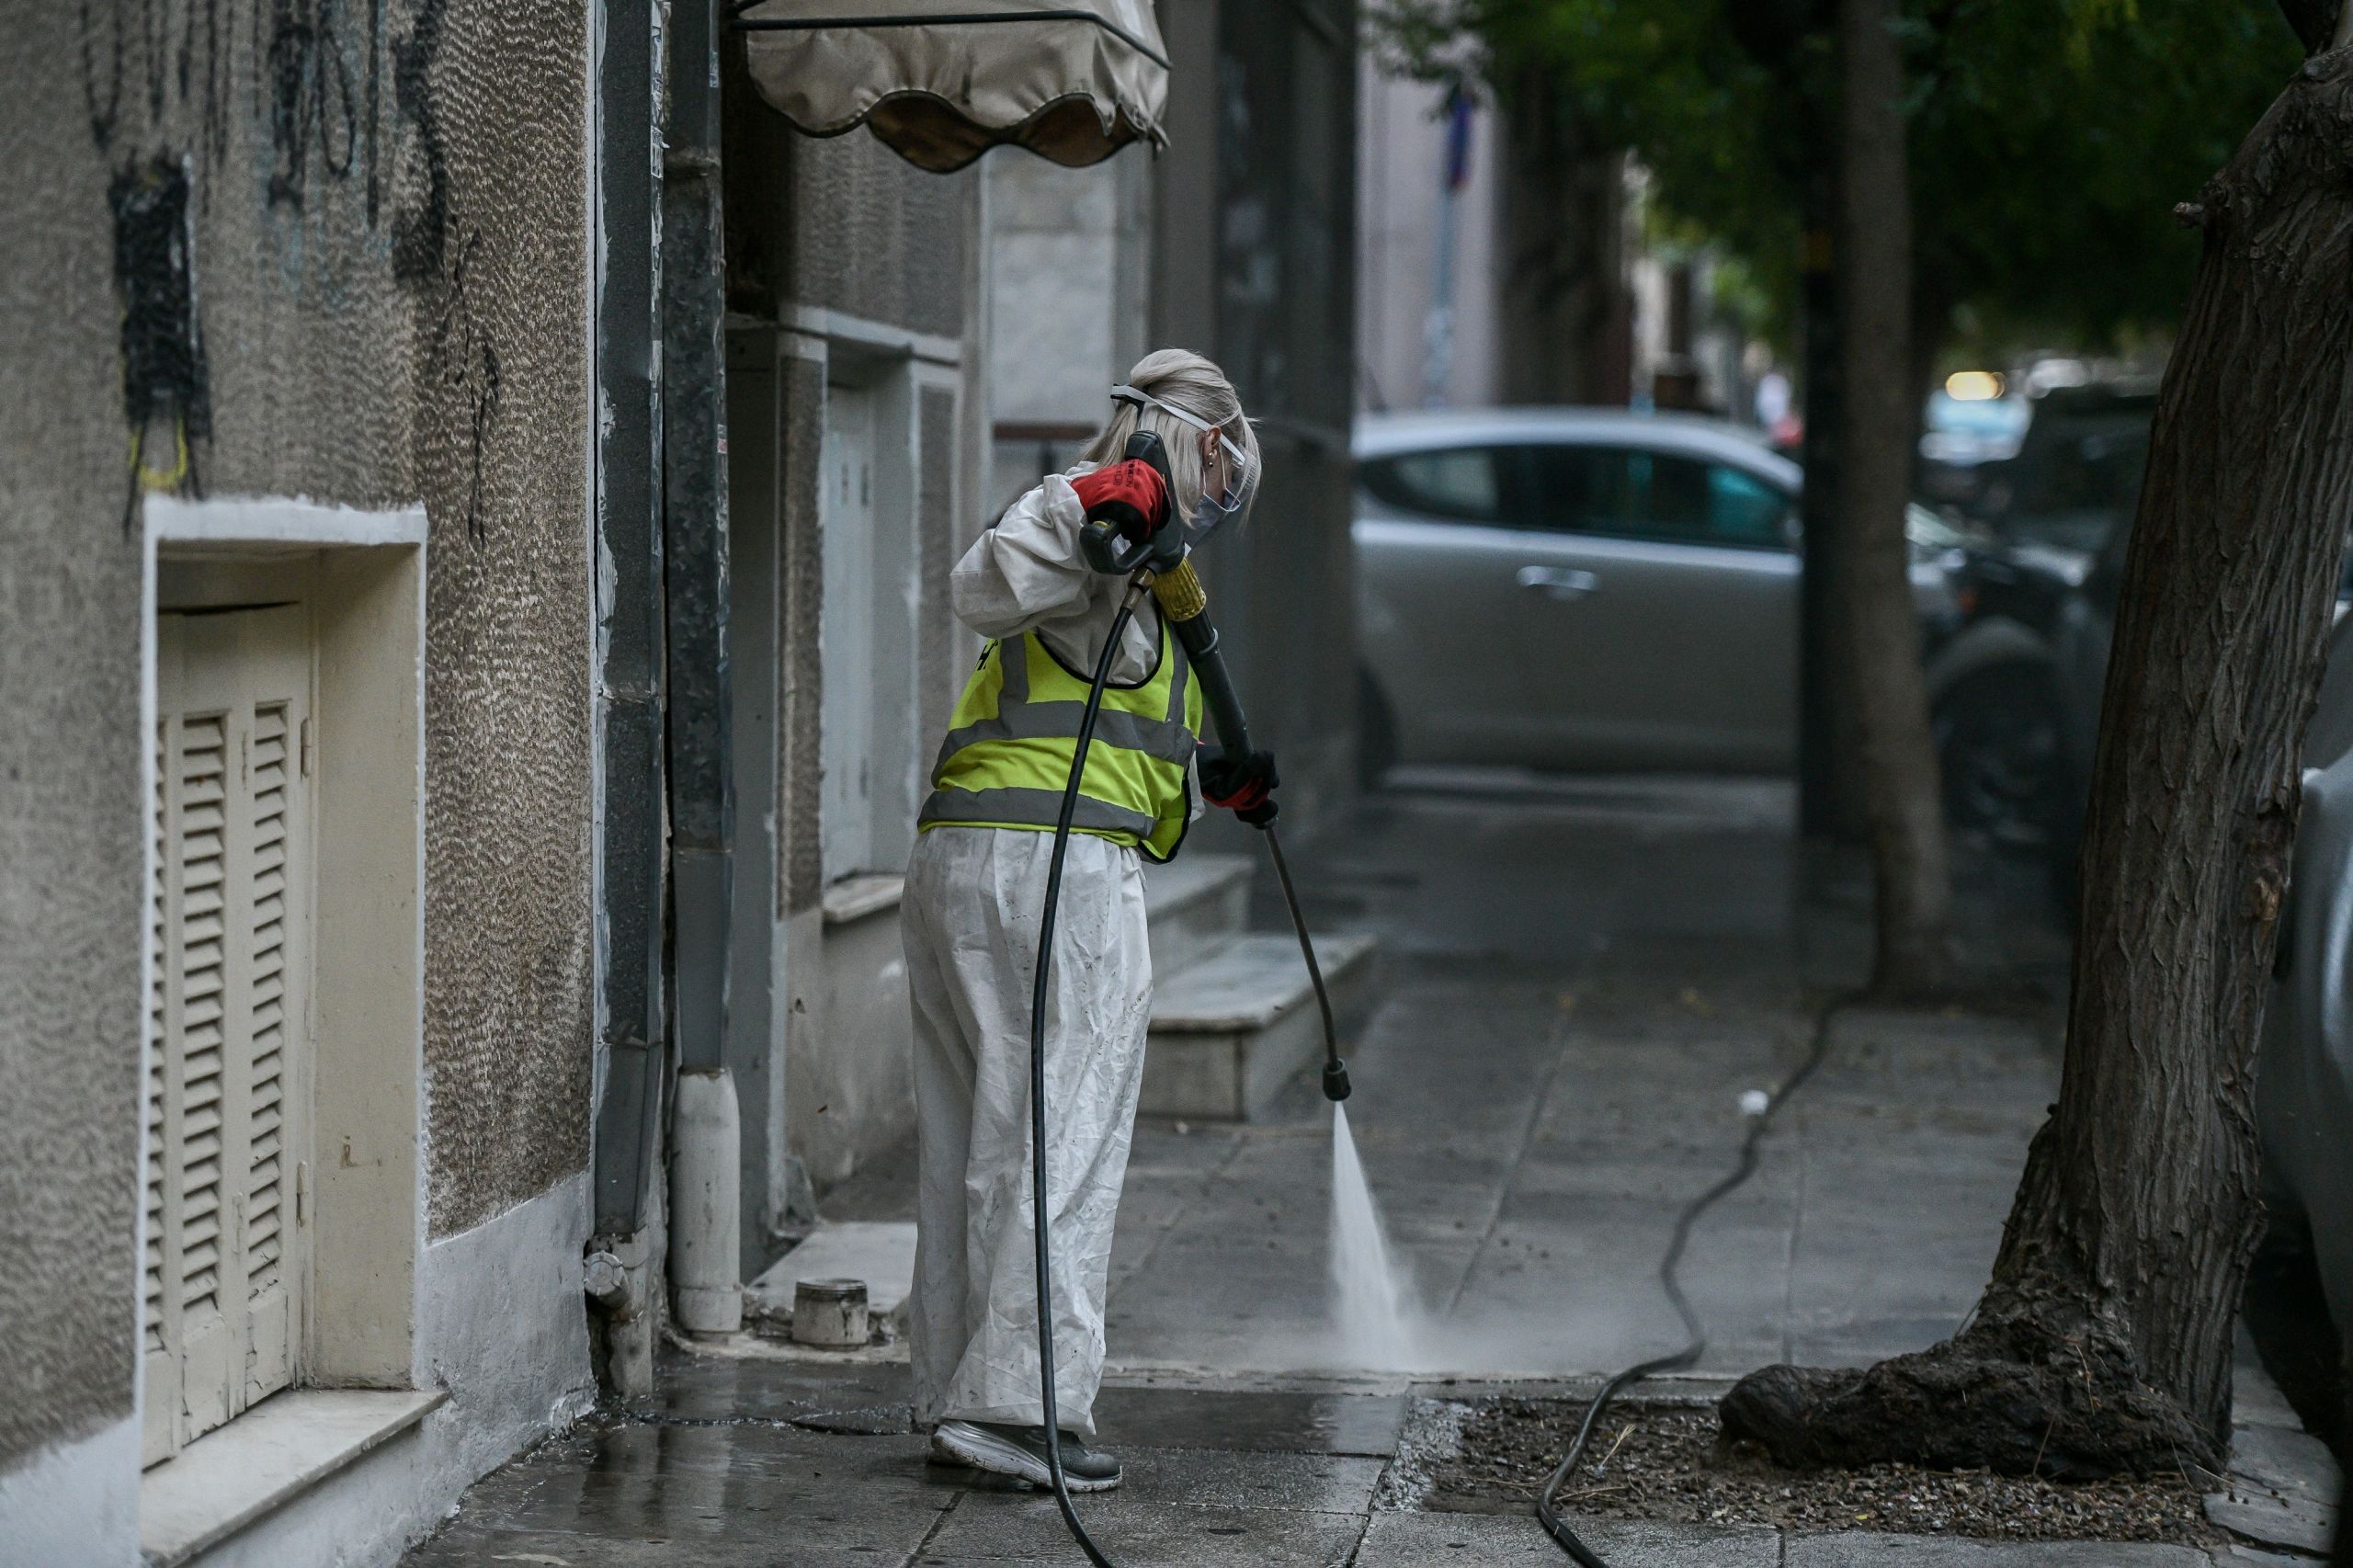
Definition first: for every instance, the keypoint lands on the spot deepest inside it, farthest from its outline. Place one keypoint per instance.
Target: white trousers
(970, 919)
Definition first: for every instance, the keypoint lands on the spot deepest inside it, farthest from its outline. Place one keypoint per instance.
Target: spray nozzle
(1336, 1080)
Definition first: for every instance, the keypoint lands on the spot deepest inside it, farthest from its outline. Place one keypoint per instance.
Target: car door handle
(1558, 582)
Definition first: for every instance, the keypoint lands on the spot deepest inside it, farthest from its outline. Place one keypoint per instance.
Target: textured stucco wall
(801, 566)
(843, 222)
(378, 294)
(70, 854)
(941, 537)
(503, 461)
(879, 238)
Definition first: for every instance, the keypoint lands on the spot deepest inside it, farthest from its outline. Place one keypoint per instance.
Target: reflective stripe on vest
(1007, 759)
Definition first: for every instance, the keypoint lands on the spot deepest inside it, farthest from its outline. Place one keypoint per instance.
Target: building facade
(296, 934)
(1502, 258)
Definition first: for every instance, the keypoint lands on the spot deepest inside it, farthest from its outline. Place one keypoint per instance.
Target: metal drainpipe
(630, 656)
(628, 612)
(705, 1162)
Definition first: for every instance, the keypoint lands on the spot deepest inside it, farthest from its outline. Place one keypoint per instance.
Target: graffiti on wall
(307, 74)
(319, 111)
(462, 359)
(314, 116)
(166, 396)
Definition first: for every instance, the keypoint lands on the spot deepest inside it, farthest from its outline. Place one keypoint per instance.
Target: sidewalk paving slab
(2302, 1523)
(1200, 1478)
(989, 1528)
(717, 1496)
(469, 1547)
(1867, 1551)
(1366, 1424)
(737, 1388)
(2294, 1462)
(1512, 1540)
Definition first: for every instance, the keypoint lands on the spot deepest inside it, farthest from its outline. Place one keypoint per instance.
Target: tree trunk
(1564, 209)
(1878, 647)
(1830, 798)
(2103, 1343)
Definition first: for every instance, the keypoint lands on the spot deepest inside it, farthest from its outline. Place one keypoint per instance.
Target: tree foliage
(2049, 143)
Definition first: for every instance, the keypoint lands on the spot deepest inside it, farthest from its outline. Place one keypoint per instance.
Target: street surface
(1580, 981)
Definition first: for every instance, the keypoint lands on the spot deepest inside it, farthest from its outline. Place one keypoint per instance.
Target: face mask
(1232, 491)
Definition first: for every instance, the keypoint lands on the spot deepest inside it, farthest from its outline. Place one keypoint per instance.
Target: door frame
(360, 577)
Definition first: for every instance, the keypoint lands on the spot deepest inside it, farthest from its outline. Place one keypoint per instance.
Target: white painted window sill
(278, 1449)
(855, 898)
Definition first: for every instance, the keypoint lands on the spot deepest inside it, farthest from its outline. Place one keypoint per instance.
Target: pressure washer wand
(1185, 605)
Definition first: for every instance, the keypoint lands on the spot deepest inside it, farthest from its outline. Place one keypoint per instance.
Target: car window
(1745, 510)
(1451, 482)
(1632, 493)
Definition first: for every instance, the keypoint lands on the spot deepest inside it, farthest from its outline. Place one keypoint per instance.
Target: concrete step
(1229, 1032)
(1196, 903)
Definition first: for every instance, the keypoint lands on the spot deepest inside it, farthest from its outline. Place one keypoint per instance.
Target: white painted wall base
(502, 1325)
(75, 1503)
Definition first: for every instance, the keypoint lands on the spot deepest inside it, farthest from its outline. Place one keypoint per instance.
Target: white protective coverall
(971, 918)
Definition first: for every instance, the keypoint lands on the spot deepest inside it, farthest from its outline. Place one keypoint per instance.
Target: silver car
(1585, 589)
(2303, 1089)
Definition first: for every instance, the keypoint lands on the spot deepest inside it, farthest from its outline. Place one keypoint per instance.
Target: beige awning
(943, 81)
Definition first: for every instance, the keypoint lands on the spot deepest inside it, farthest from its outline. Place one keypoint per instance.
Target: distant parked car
(2015, 727)
(1964, 439)
(2076, 474)
(2080, 634)
(2303, 1097)
(1587, 589)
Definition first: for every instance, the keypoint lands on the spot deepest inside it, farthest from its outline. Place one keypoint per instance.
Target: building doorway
(229, 1070)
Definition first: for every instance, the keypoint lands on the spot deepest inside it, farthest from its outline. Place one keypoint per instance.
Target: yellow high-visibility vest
(1007, 759)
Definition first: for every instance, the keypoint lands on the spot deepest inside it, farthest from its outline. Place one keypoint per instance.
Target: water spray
(1160, 566)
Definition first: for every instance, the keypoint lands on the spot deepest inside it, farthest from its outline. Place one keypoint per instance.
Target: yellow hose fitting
(1179, 591)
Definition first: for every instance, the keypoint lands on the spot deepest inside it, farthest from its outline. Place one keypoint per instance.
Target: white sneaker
(1020, 1452)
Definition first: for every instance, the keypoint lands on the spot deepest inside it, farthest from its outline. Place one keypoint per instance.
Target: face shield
(1237, 476)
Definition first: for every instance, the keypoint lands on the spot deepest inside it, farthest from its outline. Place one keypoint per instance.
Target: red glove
(1244, 785)
(1129, 496)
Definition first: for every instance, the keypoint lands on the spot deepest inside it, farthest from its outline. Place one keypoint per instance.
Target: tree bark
(2103, 1342)
(1563, 211)
(1878, 644)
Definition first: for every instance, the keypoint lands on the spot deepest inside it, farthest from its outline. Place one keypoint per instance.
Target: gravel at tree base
(1668, 1462)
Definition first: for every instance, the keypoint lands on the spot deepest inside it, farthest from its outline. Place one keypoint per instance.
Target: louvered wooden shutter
(229, 940)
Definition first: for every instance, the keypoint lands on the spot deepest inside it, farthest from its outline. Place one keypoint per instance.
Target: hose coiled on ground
(1696, 1345)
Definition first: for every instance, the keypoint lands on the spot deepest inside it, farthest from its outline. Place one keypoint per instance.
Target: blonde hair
(1181, 378)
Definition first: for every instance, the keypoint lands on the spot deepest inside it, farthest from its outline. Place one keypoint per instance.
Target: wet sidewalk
(1581, 982)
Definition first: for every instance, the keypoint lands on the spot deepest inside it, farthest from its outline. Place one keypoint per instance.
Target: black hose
(1336, 1073)
(1042, 1215)
(1696, 1344)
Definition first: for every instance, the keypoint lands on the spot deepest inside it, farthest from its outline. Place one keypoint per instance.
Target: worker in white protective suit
(972, 914)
